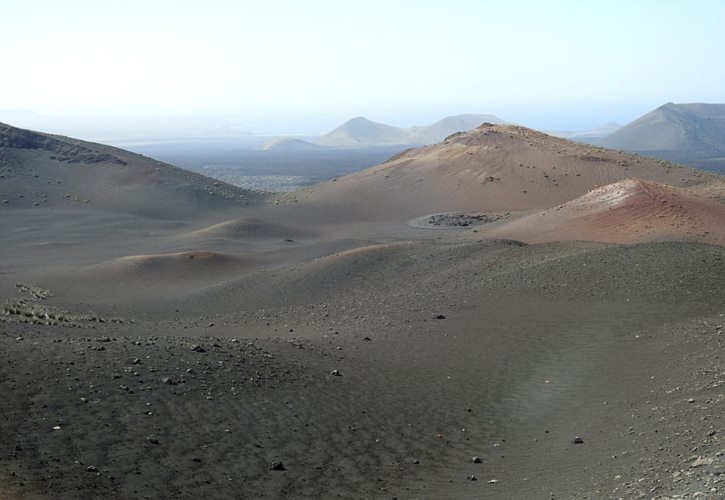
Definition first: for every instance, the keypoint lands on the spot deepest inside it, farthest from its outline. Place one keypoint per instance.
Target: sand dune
(169, 267)
(629, 211)
(492, 168)
(244, 229)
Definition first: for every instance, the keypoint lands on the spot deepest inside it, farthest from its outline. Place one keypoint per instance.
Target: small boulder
(279, 466)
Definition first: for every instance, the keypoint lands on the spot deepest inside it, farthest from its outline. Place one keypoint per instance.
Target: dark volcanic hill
(682, 132)
(43, 170)
(360, 131)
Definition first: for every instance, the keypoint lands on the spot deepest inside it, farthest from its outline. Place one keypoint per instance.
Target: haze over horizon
(292, 67)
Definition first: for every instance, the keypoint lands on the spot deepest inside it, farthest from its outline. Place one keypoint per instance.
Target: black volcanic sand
(376, 369)
(163, 335)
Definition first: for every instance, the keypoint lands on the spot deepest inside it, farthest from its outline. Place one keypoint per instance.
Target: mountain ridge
(361, 132)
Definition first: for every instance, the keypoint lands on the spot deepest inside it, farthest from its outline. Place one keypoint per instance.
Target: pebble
(277, 466)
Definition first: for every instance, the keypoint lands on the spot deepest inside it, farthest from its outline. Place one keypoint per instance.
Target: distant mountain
(600, 131)
(432, 134)
(361, 132)
(686, 130)
(291, 144)
(588, 136)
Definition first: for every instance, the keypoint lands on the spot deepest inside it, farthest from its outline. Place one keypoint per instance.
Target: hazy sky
(553, 64)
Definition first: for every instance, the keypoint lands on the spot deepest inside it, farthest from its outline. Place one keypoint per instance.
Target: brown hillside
(629, 211)
(494, 167)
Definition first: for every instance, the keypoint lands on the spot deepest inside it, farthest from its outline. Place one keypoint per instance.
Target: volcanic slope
(492, 168)
(295, 350)
(48, 171)
(689, 130)
(629, 211)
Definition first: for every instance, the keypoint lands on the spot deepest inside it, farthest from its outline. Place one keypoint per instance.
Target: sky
(305, 66)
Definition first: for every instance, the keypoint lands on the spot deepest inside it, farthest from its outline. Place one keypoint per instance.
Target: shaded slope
(42, 170)
(694, 130)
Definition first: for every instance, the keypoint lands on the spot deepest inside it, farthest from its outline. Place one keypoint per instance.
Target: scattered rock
(477, 460)
(279, 466)
(336, 373)
(700, 461)
(578, 440)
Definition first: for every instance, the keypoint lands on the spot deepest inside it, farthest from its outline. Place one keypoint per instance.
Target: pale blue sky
(551, 65)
